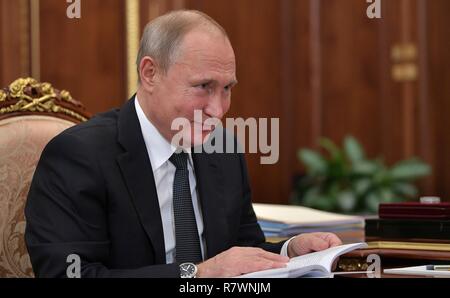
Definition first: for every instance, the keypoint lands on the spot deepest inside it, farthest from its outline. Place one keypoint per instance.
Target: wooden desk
(390, 258)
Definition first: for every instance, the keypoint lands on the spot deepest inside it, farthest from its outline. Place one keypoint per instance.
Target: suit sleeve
(66, 214)
(250, 233)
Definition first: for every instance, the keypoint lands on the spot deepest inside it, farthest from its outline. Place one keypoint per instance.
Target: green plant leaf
(337, 170)
(353, 149)
(346, 201)
(372, 203)
(331, 147)
(361, 186)
(382, 177)
(410, 170)
(404, 189)
(348, 182)
(365, 167)
(310, 196)
(386, 195)
(313, 161)
(313, 198)
(324, 203)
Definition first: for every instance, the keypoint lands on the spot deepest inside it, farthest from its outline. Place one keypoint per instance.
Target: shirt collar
(158, 148)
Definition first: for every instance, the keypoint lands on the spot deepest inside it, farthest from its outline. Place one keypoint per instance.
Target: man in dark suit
(117, 193)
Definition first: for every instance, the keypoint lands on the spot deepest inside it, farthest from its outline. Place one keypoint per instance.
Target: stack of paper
(278, 221)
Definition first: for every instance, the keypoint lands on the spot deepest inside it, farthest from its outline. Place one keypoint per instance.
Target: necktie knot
(179, 160)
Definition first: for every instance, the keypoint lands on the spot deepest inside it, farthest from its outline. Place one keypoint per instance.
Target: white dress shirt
(159, 151)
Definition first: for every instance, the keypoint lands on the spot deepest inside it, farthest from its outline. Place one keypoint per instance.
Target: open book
(316, 264)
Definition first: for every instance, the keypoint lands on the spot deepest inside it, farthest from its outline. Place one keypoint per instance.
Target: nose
(215, 107)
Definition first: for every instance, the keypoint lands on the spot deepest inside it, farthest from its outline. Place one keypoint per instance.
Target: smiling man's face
(201, 78)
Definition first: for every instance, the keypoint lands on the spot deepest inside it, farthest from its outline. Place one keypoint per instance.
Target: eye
(228, 87)
(203, 86)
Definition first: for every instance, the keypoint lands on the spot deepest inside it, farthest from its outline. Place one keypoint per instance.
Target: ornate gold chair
(31, 113)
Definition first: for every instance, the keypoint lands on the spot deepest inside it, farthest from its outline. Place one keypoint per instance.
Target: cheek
(183, 102)
(191, 104)
(226, 105)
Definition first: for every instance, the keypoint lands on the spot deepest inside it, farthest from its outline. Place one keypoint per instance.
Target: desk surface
(357, 261)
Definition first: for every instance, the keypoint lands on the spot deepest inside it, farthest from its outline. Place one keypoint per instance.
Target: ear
(147, 71)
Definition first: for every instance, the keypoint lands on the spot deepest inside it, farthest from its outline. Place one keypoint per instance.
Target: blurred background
(377, 90)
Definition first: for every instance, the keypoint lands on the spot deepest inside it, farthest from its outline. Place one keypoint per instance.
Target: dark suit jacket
(93, 194)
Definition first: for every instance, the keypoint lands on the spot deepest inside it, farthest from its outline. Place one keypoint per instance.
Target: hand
(240, 260)
(311, 242)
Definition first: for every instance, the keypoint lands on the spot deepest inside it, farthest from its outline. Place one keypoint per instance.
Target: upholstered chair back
(31, 114)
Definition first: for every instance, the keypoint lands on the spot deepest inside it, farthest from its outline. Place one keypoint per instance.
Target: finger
(332, 239)
(308, 243)
(318, 244)
(274, 257)
(335, 240)
(261, 264)
(250, 251)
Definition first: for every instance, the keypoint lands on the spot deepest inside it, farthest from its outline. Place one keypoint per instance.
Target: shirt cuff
(284, 249)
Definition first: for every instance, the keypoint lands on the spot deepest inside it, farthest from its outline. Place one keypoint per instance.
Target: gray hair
(162, 36)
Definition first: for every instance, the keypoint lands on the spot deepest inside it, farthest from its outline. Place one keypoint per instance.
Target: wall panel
(85, 56)
(321, 66)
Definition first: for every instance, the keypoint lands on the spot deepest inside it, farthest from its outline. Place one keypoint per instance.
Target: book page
(301, 265)
(324, 258)
(283, 272)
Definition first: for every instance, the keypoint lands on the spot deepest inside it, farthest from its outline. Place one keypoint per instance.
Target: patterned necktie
(187, 242)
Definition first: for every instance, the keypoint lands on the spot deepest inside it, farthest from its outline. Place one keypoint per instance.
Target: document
(316, 264)
(283, 221)
(303, 216)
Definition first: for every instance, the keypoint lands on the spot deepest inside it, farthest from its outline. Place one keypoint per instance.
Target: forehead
(207, 53)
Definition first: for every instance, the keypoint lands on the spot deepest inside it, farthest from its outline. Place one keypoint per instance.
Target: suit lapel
(138, 175)
(208, 176)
